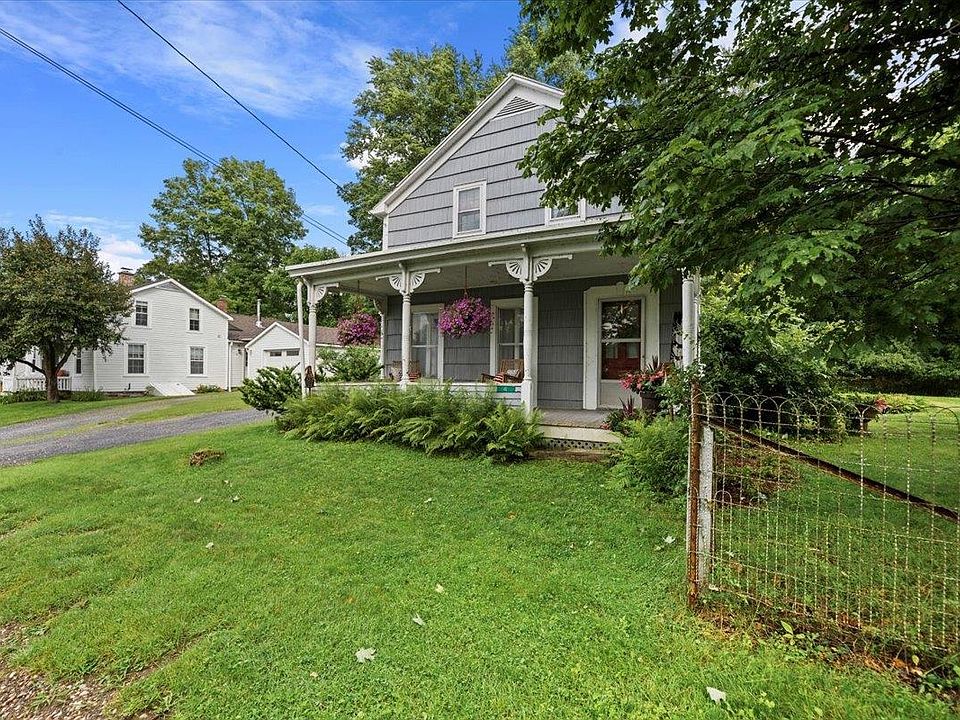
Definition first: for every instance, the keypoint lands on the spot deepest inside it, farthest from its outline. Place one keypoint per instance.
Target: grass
(197, 405)
(560, 597)
(26, 411)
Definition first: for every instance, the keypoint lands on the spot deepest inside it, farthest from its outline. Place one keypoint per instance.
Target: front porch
(561, 309)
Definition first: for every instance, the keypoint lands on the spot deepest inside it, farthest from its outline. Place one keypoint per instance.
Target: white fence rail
(13, 384)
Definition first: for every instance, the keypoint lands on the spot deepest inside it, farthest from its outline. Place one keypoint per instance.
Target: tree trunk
(50, 374)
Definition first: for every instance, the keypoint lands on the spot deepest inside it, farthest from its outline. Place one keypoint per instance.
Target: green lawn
(25, 411)
(560, 597)
(199, 404)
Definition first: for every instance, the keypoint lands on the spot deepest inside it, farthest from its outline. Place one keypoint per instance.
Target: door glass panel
(619, 358)
(509, 334)
(620, 319)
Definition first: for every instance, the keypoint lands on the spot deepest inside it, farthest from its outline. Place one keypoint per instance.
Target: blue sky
(72, 157)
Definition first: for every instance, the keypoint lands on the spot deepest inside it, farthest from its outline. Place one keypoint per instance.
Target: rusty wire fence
(843, 514)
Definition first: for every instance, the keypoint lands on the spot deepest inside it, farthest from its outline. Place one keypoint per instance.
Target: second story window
(78, 365)
(140, 313)
(194, 323)
(469, 212)
(567, 213)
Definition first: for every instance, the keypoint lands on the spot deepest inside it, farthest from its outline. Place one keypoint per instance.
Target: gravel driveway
(29, 441)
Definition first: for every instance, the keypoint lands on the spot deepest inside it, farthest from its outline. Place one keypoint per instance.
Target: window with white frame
(509, 334)
(274, 353)
(136, 359)
(193, 322)
(620, 338)
(567, 213)
(426, 343)
(141, 316)
(78, 365)
(469, 211)
(196, 361)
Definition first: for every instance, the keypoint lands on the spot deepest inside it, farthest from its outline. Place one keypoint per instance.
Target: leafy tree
(221, 229)
(57, 296)
(814, 144)
(414, 100)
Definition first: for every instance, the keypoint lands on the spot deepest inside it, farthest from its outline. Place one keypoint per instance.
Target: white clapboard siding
(168, 341)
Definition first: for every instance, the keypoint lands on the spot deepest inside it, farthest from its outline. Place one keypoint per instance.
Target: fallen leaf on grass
(427, 501)
(718, 696)
(235, 498)
(198, 499)
(418, 620)
(669, 540)
(439, 588)
(209, 545)
(366, 654)
(314, 674)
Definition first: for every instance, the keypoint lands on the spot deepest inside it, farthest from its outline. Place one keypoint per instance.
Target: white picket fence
(11, 383)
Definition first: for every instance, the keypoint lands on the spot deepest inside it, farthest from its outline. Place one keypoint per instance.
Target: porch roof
(360, 273)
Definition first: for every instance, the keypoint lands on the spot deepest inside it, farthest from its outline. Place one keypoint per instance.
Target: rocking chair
(396, 370)
(511, 371)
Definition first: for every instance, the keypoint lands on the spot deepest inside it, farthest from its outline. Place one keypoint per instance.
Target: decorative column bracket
(316, 293)
(529, 269)
(406, 281)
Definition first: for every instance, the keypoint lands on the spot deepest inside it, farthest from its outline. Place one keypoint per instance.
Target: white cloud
(116, 246)
(322, 210)
(275, 57)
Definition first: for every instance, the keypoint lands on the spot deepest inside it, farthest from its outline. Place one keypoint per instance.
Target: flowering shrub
(466, 316)
(648, 380)
(359, 329)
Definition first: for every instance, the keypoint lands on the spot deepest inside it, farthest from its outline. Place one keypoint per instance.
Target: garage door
(288, 357)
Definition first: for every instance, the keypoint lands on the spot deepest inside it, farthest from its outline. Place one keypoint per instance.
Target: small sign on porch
(508, 388)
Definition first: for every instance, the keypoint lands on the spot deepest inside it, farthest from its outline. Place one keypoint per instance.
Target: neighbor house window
(140, 316)
(620, 338)
(136, 359)
(469, 214)
(196, 361)
(293, 353)
(78, 366)
(574, 211)
(274, 353)
(194, 322)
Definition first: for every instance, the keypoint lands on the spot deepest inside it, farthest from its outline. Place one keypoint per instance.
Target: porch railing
(13, 384)
(507, 393)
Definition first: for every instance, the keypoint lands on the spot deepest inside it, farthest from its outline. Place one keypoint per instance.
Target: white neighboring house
(257, 342)
(172, 336)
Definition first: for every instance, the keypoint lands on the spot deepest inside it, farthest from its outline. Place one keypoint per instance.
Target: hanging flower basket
(464, 317)
(359, 329)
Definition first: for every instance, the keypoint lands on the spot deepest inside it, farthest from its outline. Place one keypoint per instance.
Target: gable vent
(517, 105)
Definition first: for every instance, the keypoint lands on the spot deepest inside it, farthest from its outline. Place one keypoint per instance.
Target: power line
(228, 94)
(147, 121)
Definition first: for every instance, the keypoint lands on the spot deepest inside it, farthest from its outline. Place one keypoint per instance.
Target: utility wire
(147, 121)
(228, 94)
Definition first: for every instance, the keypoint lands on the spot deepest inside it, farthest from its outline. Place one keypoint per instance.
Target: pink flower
(463, 317)
(358, 329)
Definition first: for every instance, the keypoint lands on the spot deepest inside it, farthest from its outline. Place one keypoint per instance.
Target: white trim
(199, 320)
(190, 349)
(513, 85)
(429, 308)
(480, 185)
(268, 329)
(512, 304)
(581, 215)
(650, 332)
(126, 359)
(185, 289)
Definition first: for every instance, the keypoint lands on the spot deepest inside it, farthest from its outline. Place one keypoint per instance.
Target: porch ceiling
(359, 273)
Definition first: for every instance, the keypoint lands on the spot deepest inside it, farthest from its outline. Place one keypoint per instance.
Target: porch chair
(510, 371)
(396, 370)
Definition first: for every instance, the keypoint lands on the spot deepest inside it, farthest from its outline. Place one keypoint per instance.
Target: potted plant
(359, 329)
(464, 317)
(646, 384)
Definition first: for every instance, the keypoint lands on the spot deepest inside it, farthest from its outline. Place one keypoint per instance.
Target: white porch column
(405, 282)
(311, 358)
(381, 305)
(303, 349)
(690, 340)
(527, 270)
(526, 387)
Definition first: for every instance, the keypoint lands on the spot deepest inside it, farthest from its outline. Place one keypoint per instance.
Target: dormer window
(469, 209)
(568, 213)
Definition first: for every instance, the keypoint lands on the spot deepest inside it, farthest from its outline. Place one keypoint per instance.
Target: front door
(621, 347)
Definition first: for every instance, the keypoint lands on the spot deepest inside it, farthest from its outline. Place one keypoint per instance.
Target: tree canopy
(813, 145)
(413, 101)
(220, 229)
(56, 296)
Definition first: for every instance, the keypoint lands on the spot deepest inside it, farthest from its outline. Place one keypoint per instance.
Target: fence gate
(845, 514)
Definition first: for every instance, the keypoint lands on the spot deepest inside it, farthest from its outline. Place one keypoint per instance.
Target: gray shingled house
(466, 218)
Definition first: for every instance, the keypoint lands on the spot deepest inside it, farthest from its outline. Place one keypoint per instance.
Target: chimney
(259, 321)
(222, 303)
(125, 276)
